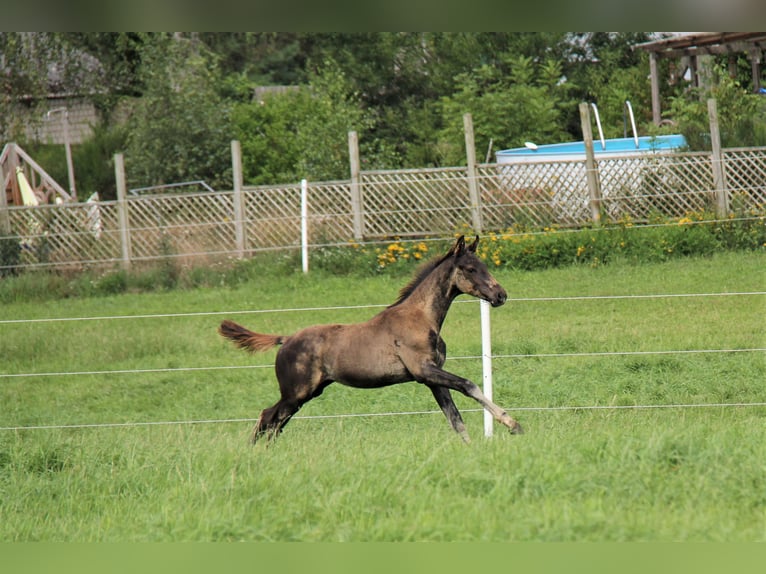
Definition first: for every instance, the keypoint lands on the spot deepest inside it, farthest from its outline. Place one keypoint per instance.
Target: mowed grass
(650, 470)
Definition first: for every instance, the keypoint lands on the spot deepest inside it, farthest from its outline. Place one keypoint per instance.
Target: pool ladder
(632, 122)
(598, 125)
(601, 131)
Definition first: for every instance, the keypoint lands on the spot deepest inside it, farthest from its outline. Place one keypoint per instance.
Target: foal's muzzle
(498, 298)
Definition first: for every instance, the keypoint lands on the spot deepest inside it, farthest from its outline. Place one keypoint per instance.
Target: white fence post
(486, 364)
(304, 226)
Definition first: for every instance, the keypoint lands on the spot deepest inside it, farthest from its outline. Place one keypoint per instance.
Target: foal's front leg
(447, 405)
(432, 375)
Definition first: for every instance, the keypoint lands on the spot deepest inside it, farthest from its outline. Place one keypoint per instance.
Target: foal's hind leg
(273, 419)
(443, 397)
(299, 382)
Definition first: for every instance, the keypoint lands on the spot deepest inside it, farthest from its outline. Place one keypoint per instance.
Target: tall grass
(639, 474)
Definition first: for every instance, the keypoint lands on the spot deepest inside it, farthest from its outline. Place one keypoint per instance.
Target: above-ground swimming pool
(576, 150)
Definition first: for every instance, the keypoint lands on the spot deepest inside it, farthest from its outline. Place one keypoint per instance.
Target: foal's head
(471, 275)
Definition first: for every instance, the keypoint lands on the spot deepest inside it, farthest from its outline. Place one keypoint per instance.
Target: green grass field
(578, 474)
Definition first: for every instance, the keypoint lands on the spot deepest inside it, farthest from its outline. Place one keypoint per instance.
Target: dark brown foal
(402, 343)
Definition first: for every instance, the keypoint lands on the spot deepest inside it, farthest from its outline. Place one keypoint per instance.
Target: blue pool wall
(615, 146)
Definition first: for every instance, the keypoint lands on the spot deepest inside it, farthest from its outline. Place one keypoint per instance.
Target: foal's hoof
(259, 434)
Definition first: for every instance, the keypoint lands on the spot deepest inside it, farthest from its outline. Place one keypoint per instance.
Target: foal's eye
(470, 270)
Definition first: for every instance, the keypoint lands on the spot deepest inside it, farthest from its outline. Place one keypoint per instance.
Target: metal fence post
(473, 188)
(122, 210)
(719, 173)
(591, 171)
(239, 198)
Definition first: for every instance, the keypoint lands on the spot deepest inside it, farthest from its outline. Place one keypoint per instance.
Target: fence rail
(206, 227)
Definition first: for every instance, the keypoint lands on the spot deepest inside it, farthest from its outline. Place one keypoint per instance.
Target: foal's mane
(421, 273)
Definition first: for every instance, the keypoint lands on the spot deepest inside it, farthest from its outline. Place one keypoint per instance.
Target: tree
(303, 133)
(322, 135)
(34, 65)
(401, 77)
(266, 130)
(119, 61)
(261, 58)
(179, 130)
(511, 104)
(741, 114)
(608, 72)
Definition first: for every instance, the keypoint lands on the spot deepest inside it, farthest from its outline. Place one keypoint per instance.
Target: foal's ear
(472, 247)
(459, 248)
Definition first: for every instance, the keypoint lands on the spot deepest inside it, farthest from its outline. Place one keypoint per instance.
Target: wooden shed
(687, 48)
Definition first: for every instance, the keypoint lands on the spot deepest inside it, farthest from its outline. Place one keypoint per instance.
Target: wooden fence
(208, 227)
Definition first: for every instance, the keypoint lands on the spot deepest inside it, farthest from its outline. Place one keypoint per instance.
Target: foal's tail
(246, 339)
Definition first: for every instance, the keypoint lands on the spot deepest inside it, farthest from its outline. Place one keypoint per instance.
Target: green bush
(741, 114)
(600, 246)
(525, 250)
(112, 283)
(10, 255)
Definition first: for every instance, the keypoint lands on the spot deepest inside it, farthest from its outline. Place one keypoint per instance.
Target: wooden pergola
(688, 47)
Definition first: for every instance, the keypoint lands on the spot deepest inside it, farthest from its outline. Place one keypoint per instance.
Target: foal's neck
(435, 294)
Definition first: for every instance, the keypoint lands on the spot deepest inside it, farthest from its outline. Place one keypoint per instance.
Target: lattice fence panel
(189, 225)
(69, 234)
(534, 194)
(746, 179)
(273, 217)
(90, 230)
(415, 202)
(331, 218)
(666, 185)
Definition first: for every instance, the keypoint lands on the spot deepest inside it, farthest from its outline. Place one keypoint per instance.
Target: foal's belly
(357, 355)
(373, 375)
